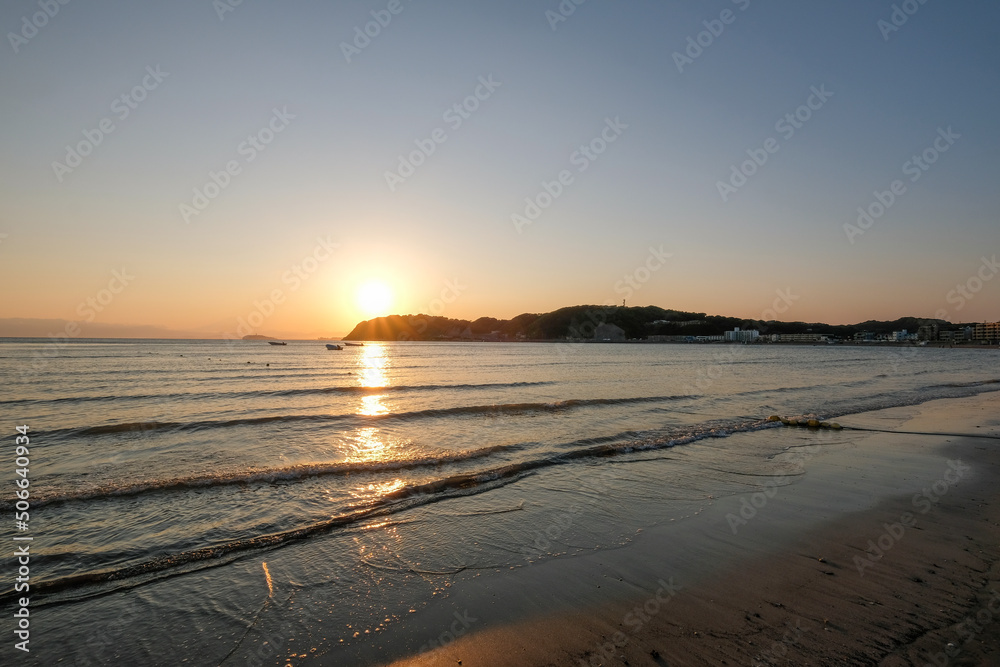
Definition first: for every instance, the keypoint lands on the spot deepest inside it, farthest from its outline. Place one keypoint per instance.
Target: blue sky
(346, 123)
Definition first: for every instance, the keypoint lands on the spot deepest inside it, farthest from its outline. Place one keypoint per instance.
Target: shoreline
(880, 344)
(877, 556)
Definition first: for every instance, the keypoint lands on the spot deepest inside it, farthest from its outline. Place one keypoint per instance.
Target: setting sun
(374, 299)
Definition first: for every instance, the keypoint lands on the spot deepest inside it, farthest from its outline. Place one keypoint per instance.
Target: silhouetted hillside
(580, 321)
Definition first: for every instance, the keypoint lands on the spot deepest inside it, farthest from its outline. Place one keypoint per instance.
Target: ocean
(211, 502)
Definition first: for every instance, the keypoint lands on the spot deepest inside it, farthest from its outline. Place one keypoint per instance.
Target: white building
(737, 336)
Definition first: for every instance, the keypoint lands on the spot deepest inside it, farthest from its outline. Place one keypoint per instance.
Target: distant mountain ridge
(580, 321)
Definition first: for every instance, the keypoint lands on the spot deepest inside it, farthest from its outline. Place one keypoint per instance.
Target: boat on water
(274, 342)
(331, 346)
(355, 344)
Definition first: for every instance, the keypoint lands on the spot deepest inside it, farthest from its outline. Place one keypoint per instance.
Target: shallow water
(166, 474)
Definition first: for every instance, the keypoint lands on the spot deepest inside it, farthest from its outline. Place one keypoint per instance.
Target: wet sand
(885, 552)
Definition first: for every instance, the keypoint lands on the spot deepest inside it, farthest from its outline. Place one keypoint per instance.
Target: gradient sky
(323, 175)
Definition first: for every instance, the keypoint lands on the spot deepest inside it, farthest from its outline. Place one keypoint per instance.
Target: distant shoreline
(548, 341)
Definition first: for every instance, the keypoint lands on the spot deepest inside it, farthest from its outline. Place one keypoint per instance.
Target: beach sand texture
(884, 553)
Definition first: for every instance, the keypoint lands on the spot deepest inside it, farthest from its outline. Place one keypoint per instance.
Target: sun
(374, 299)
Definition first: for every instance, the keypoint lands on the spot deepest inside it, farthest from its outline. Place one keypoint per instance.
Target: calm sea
(241, 502)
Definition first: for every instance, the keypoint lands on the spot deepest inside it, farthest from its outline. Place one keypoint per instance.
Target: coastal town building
(988, 332)
(609, 333)
(798, 338)
(984, 333)
(929, 331)
(745, 336)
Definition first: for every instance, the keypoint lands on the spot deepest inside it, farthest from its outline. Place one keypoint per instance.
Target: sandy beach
(884, 552)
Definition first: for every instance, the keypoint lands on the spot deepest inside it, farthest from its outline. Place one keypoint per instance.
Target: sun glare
(374, 299)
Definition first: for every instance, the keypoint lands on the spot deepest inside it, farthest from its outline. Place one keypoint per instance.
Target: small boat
(355, 344)
(274, 342)
(331, 346)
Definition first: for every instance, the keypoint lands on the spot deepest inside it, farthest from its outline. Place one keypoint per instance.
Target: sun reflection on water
(368, 447)
(371, 405)
(373, 365)
(378, 489)
(369, 444)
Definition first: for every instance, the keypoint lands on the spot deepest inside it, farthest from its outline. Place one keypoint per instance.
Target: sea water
(213, 502)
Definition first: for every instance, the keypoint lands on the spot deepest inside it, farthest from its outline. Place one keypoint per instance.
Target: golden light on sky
(374, 299)
(605, 167)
